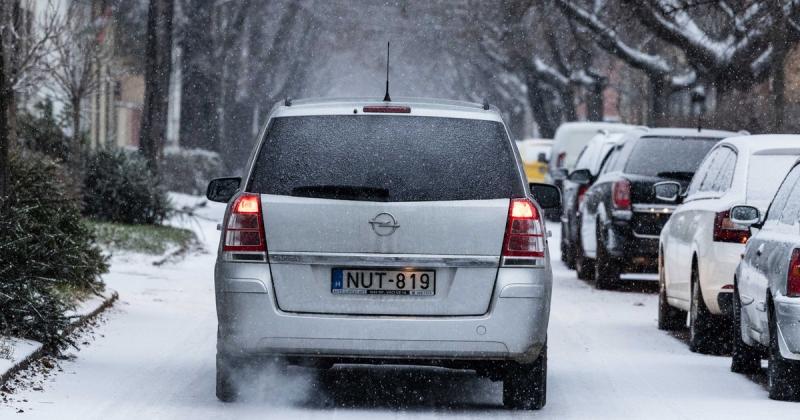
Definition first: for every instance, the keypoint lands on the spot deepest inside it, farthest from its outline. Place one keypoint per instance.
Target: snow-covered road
(153, 358)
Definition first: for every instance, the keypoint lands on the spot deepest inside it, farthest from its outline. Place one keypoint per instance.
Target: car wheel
(606, 267)
(525, 385)
(584, 267)
(567, 250)
(744, 359)
(705, 335)
(784, 375)
(670, 318)
(227, 387)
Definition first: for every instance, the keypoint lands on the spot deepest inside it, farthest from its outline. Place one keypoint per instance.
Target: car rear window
(386, 158)
(672, 157)
(764, 176)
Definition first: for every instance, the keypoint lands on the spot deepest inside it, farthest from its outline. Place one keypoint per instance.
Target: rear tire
(606, 267)
(525, 385)
(670, 318)
(227, 386)
(567, 250)
(744, 359)
(584, 267)
(707, 334)
(784, 375)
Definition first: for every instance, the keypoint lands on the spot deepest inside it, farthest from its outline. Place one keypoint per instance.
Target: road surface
(152, 357)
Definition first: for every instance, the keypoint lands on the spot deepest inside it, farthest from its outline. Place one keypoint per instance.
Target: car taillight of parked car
(727, 231)
(561, 160)
(581, 193)
(244, 231)
(524, 230)
(621, 194)
(793, 281)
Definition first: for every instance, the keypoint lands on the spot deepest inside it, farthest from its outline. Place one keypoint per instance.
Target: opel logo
(384, 224)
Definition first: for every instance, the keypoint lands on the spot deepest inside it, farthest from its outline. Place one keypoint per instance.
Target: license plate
(349, 281)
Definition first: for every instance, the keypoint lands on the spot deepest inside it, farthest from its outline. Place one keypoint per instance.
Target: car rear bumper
(250, 323)
(639, 252)
(787, 315)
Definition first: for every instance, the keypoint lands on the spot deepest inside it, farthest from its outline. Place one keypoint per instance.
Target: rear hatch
(657, 159)
(350, 201)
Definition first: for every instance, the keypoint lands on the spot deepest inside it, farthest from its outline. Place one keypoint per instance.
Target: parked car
(766, 303)
(569, 140)
(700, 247)
(354, 238)
(587, 168)
(535, 155)
(620, 217)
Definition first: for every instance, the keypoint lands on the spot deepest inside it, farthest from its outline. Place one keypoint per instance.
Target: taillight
(621, 194)
(245, 228)
(793, 281)
(387, 109)
(561, 160)
(582, 192)
(727, 231)
(524, 230)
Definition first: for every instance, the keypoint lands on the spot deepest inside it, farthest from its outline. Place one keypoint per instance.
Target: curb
(43, 350)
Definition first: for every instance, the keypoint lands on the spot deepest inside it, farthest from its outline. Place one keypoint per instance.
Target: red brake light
(793, 281)
(727, 231)
(561, 160)
(245, 228)
(581, 193)
(388, 109)
(524, 230)
(621, 194)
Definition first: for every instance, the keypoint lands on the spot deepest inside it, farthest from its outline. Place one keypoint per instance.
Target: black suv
(620, 217)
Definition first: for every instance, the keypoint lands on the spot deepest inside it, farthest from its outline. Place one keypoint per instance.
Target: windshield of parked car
(668, 157)
(387, 158)
(764, 176)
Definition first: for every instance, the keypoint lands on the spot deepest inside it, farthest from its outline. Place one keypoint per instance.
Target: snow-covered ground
(153, 358)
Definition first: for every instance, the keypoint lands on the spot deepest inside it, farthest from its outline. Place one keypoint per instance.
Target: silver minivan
(385, 232)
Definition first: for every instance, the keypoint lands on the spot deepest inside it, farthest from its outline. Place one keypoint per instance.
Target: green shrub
(120, 187)
(45, 249)
(189, 170)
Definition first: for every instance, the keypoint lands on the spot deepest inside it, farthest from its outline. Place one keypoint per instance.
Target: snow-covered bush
(120, 187)
(46, 251)
(189, 170)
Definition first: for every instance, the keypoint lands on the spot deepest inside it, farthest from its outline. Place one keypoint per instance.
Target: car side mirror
(746, 216)
(580, 176)
(559, 174)
(668, 191)
(222, 190)
(548, 196)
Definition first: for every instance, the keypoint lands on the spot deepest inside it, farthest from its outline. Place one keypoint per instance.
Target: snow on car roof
(765, 143)
(419, 106)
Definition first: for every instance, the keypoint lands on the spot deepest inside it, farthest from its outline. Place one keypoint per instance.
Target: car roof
(592, 126)
(688, 132)
(766, 143)
(419, 107)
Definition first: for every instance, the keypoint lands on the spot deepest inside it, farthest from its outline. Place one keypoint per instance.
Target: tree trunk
(76, 148)
(658, 95)
(200, 77)
(7, 134)
(595, 104)
(157, 72)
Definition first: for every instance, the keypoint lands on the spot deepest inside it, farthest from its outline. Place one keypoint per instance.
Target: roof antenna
(387, 98)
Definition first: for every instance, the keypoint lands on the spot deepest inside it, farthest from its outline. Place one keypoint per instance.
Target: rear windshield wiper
(682, 175)
(342, 192)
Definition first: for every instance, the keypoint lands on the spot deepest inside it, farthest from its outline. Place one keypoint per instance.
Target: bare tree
(157, 74)
(23, 46)
(78, 54)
